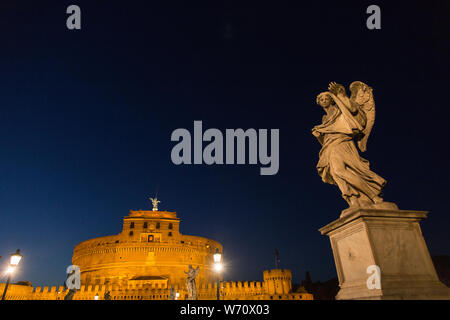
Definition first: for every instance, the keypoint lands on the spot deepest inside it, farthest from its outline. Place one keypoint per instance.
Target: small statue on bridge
(190, 282)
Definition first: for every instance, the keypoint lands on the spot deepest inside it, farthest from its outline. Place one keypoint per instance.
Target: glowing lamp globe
(15, 258)
(217, 256)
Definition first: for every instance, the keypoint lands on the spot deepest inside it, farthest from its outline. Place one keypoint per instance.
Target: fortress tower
(278, 281)
(149, 250)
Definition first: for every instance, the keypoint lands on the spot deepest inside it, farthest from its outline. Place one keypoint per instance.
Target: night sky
(86, 118)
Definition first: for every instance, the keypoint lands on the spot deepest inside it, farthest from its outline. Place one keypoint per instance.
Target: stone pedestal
(390, 239)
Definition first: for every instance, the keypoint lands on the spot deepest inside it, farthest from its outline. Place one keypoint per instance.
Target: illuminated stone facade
(148, 257)
(149, 250)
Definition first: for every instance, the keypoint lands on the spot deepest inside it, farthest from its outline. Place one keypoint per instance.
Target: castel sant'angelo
(148, 258)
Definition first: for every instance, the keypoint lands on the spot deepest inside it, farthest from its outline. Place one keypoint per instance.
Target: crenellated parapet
(229, 290)
(89, 292)
(232, 290)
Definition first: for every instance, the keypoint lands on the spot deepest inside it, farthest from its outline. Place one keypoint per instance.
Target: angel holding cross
(339, 163)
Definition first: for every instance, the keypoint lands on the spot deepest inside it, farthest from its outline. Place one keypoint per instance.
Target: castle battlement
(229, 290)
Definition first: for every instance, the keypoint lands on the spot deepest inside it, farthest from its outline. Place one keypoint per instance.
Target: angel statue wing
(362, 96)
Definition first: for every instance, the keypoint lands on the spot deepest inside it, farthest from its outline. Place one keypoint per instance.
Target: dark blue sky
(86, 118)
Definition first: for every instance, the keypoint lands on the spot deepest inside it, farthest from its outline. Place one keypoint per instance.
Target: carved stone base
(383, 205)
(390, 239)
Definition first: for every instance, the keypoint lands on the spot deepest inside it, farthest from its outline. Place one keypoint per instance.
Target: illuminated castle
(149, 250)
(149, 257)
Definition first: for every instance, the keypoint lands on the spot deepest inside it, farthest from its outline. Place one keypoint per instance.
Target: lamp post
(13, 262)
(218, 266)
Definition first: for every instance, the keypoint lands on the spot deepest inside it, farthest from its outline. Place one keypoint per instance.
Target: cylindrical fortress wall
(149, 248)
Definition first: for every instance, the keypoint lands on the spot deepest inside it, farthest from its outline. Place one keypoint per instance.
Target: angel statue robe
(339, 160)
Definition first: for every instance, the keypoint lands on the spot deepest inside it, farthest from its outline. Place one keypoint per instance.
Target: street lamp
(13, 262)
(96, 296)
(218, 267)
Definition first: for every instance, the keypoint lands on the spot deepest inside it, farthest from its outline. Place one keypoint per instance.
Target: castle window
(131, 233)
(170, 226)
(170, 234)
(145, 225)
(150, 238)
(131, 225)
(157, 225)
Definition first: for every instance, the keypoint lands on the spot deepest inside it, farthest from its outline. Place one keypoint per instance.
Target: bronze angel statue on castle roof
(348, 119)
(155, 202)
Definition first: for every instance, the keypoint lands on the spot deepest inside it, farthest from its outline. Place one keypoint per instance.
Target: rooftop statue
(348, 119)
(155, 202)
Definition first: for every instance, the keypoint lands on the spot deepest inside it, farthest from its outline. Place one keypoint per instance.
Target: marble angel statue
(346, 120)
(191, 274)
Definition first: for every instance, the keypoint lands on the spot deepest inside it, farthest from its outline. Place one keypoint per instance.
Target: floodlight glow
(15, 258)
(218, 267)
(10, 270)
